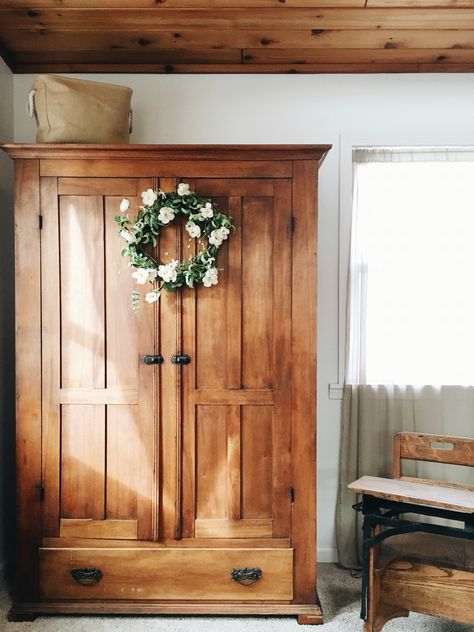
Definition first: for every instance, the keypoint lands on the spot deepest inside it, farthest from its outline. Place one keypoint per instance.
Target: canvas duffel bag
(78, 111)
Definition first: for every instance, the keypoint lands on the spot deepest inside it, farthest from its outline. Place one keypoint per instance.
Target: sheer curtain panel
(410, 339)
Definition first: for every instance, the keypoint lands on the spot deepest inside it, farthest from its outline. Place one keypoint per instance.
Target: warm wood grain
(82, 462)
(264, 38)
(436, 448)
(187, 543)
(28, 377)
(119, 529)
(196, 457)
(189, 169)
(81, 235)
(259, 460)
(98, 186)
(223, 36)
(356, 55)
(98, 396)
(431, 589)
(232, 154)
(410, 492)
(405, 583)
(234, 463)
(206, 4)
(238, 528)
(311, 619)
(255, 397)
(184, 574)
(51, 351)
(156, 607)
(303, 362)
(168, 314)
(320, 68)
(162, 19)
(281, 438)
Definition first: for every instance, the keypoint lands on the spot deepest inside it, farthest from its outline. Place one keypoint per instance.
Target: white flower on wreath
(183, 189)
(168, 271)
(125, 234)
(142, 275)
(193, 229)
(153, 296)
(218, 235)
(206, 211)
(166, 215)
(124, 204)
(149, 197)
(211, 277)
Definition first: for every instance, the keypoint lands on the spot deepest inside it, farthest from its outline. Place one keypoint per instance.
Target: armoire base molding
(307, 613)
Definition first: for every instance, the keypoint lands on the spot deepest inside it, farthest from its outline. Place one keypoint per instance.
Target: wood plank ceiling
(237, 36)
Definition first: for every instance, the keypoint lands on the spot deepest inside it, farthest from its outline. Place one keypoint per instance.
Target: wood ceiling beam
(211, 4)
(159, 19)
(265, 39)
(178, 4)
(229, 68)
(250, 56)
(364, 56)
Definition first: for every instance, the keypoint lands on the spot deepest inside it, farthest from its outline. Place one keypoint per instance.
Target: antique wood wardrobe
(146, 485)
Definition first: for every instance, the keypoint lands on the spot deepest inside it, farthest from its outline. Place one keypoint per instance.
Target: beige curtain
(372, 414)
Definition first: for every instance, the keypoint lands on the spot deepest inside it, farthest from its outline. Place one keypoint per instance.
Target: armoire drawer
(178, 574)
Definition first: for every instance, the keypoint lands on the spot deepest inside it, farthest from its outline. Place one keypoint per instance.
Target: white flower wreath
(159, 209)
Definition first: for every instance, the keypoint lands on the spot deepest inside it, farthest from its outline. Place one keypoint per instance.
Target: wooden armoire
(146, 486)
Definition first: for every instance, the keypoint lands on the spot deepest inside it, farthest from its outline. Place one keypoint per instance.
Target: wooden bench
(418, 565)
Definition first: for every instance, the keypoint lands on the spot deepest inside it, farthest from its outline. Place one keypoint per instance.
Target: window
(411, 292)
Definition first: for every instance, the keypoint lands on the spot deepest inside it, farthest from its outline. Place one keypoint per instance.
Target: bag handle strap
(130, 121)
(30, 105)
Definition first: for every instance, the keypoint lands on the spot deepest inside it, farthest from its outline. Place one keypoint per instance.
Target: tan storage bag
(78, 111)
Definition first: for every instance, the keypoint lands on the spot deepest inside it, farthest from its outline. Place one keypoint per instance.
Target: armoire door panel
(82, 461)
(82, 300)
(258, 297)
(237, 389)
(211, 461)
(99, 414)
(257, 461)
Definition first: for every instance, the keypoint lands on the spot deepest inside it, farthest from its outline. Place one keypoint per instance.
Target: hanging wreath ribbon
(204, 222)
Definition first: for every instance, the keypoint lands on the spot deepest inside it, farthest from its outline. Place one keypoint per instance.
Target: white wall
(337, 109)
(6, 313)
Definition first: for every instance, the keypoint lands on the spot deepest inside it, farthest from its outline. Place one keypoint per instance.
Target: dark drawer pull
(246, 576)
(86, 576)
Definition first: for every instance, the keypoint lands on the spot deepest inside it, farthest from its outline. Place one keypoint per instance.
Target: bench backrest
(416, 446)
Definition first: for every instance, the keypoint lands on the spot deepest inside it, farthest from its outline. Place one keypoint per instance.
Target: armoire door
(99, 398)
(165, 452)
(226, 453)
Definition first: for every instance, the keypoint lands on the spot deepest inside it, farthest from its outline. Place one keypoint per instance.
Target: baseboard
(327, 555)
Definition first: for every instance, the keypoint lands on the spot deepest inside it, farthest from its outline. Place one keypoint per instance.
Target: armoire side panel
(28, 378)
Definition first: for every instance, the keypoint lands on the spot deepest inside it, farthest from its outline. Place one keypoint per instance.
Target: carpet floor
(338, 591)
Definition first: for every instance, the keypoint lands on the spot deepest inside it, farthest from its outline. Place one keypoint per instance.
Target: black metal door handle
(181, 358)
(153, 359)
